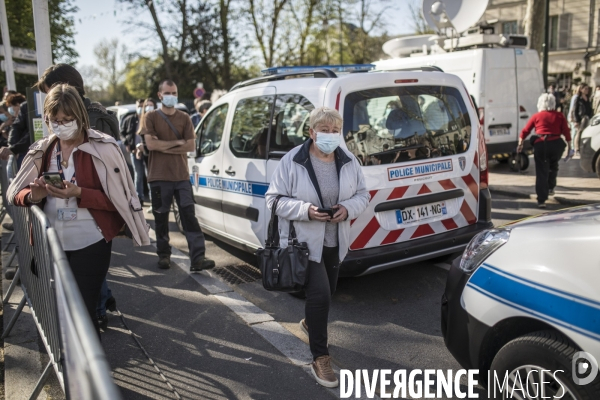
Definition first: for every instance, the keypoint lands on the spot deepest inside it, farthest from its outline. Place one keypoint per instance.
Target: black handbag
(283, 269)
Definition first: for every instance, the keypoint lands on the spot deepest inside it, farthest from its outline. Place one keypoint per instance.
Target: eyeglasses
(66, 124)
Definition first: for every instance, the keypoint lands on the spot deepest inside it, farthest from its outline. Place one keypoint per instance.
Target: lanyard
(59, 165)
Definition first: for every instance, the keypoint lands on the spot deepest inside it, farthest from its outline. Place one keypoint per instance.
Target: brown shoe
(323, 373)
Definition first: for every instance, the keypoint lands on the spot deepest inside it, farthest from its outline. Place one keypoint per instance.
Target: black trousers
(546, 154)
(162, 193)
(320, 286)
(89, 266)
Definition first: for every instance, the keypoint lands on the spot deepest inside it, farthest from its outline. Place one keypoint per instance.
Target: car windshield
(390, 125)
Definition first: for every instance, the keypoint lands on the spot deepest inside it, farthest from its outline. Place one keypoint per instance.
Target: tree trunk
(163, 39)
(534, 23)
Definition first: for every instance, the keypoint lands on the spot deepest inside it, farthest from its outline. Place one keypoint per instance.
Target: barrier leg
(14, 283)
(3, 214)
(14, 318)
(11, 258)
(40, 384)
(12, 235)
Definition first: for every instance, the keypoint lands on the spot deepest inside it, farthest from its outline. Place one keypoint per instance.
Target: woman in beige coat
(94, 198)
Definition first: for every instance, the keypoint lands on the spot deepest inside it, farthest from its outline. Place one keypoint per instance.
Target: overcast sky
(98, 20)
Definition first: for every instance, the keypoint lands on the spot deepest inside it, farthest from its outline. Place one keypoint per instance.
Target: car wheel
(177, 217)
(598, 166)
(527, 356)
(518, 162)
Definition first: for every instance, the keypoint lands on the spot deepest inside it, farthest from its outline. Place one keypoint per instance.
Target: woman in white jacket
(319, 175)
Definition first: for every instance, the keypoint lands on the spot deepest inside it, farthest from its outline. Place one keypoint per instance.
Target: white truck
(505, 82)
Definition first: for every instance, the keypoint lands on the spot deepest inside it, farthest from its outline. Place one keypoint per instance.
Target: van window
(250, 127)
(390, 125)
(291, 117)
(210, 131)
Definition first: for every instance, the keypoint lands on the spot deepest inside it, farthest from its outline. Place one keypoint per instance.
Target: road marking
(260, 321)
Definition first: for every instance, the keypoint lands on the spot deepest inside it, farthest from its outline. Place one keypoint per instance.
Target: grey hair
(546, 102)
(327, 115)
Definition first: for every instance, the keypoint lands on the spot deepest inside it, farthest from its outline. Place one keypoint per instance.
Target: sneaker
(9, 226)
(201, 265)
(542, 205)
(149, 210)
(103, 322)
(111, 304)
(323, 373)
(164, 262)
(551, 192)
(304, 327)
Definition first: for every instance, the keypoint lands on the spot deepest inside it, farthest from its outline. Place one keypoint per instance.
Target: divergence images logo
(584, 367)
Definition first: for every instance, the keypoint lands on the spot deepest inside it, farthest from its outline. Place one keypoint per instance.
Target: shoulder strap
(168, 121)
(273, 231)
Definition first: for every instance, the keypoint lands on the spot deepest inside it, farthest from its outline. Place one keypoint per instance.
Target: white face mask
(149, 108)
(65, 132)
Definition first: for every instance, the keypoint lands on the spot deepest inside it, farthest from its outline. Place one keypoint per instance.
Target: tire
(546, 350)
(177, 217)
(518, 162)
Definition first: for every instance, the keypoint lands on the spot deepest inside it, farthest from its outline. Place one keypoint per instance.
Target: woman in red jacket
(94, 196)
(548, 145)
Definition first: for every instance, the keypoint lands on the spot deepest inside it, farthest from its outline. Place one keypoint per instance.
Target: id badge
(67, 214)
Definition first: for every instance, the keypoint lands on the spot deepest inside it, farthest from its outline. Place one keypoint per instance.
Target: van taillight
(406, 81)
(481, 112)
(483, 160)
(337, 100)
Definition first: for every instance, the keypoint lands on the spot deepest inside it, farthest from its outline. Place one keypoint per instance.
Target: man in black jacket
(129, 126)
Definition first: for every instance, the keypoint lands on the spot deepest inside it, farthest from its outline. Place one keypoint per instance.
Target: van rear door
(417, 141)
(501, 110)
(529, 83)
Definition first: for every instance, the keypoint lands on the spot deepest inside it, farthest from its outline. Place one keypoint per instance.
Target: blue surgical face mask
(328, 142)
(3, 117)
(169, 100)
(11, 111)
(149, 108)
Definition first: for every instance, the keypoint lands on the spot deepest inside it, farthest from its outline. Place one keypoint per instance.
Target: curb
(561, 200)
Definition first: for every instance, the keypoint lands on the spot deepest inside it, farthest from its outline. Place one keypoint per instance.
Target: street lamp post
(546, 44)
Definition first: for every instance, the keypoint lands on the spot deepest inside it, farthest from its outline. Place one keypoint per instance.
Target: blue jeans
(105, 294)
(139, 167)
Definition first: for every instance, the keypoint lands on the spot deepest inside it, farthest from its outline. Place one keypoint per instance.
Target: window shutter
(564, 29)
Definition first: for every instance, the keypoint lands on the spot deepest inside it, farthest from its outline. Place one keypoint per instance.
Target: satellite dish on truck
(458, 15)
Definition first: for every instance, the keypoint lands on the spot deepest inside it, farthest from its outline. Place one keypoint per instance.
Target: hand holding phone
(328, 211)
(54, 179)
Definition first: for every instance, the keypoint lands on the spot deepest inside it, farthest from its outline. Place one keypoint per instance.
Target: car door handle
(214, 170)
(524, 116)
(230, 172)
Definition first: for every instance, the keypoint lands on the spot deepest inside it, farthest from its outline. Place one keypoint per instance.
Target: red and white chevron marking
(367, 233)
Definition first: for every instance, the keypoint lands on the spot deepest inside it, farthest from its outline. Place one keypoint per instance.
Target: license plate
(420, 213)
(499, 132)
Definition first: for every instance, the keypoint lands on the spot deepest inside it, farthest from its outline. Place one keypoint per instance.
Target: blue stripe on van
(248, 188)
(552, 305)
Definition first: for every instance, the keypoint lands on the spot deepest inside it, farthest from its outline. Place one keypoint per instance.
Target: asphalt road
(387, 320)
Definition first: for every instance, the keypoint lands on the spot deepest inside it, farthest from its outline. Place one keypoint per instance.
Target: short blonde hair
(546, 102)
(65, 98)
(326, 115)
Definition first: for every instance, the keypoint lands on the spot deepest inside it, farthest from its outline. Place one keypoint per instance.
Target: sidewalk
(574, 185)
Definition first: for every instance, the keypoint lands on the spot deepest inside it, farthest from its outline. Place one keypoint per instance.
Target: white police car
(526, 297)
(590, 146)
(416, 133)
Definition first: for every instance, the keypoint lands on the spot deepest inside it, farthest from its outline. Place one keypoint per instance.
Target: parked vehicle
(502, 75)
(415, 133)
(524, 297)
(128, 109)
(590, 146)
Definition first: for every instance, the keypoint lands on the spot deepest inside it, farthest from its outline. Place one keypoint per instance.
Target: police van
(415, 133)
(522, 303)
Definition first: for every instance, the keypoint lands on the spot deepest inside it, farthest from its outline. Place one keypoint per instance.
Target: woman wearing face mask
(323, 189)
(97, 198)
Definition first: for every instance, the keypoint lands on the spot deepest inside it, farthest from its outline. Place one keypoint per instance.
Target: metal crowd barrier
(62, 320)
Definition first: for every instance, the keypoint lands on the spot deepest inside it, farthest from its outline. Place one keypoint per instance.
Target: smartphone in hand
(54, 179)
(328, 211)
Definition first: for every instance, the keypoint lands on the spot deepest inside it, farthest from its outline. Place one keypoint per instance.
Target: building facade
(574, 52)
